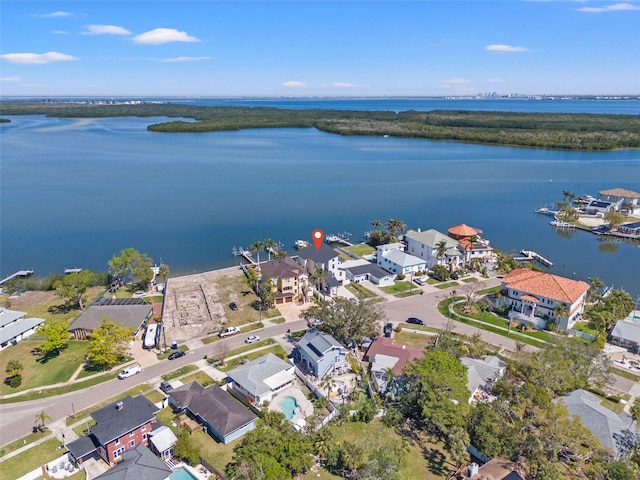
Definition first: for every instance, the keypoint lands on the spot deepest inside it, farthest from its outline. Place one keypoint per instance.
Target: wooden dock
(241, 252)
(21, 273)
(530, 255)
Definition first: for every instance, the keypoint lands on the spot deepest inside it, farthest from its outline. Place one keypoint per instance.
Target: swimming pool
(182, 474)
(288, 406)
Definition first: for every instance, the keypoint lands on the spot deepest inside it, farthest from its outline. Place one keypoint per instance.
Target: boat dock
(21, 273)
(530, 255)
(241, 252)
(342, 238)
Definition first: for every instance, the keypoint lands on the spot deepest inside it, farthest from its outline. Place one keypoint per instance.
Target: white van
(129, 371)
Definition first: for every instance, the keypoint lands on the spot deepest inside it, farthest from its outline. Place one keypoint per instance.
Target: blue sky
(326, 48)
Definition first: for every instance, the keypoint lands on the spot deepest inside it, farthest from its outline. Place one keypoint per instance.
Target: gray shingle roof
(217, 407)
(83, 446)
(606, 425)
(14, 329)
(251, 375)
(431, 238)
(137, 464)
(112, 423)
(322, 255)
(131, 316)
(8, 316)
(371, 269)
(315, 344)
(480, 371)
(629, 330)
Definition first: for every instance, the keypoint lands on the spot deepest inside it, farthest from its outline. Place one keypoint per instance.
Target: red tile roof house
(383, 355)
(533, 296)
(120, 426)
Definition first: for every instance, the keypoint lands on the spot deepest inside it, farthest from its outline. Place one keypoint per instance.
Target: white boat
(301, 244)
(546, 211)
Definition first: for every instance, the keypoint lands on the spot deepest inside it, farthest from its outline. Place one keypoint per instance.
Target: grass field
(361, 249)
(234, 288)
(38, 374)
(402, 289)
(362, 293)
(411, 339)
(179, 372)
(23, 463)
(84, 414)
(200, 377)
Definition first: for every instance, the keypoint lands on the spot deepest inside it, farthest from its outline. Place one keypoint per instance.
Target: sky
(318, 48)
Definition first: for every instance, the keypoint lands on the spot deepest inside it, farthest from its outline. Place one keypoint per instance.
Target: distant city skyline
(319, 49)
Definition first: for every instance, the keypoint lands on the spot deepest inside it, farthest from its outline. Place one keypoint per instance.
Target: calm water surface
(76, 191)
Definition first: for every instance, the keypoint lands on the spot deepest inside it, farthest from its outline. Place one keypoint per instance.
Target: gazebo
(463, 231)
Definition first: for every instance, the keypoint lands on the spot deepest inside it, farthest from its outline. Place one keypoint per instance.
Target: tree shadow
(50, 355)
(60, 309)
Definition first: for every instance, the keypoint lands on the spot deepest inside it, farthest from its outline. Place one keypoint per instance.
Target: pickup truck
(229, 331)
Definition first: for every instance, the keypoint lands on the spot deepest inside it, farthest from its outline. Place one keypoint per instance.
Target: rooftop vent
(119, 406)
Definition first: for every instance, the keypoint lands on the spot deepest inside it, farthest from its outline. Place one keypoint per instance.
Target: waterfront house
(120, 426)
(620, 197)
(15, 327)
(472, 243)
(387, 360)
(224, 417)
(612, 429)
(138, 463)
(626, 332)
(371, 272)
(260, 380)
(394, 259)
(425, 245)
(534, 296)
(320, 354)
(129, 312)
(290, 280)
(632, 228)
(324, 257)
(482, 374)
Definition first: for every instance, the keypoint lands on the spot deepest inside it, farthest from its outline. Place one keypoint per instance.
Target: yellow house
(290, 281)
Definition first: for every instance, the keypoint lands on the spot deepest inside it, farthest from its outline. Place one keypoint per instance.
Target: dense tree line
(539, 130)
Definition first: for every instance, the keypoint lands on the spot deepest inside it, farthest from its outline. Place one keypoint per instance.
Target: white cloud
(505, 48)
(53, 15)
(294, 84)
(60, 32)
(106, 29)
(37, 58)
(185, 59)
(614, 7)
(159, 36)
(496, 80)
(344, 84)
(10, 79)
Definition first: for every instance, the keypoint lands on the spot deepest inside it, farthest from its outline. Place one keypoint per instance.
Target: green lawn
(401, 289)
(38, 374)
(32, 437)
(234, 288)
(411, 339)
(200, 377)
(179, 372)
(361, 249)
(362, 293)
(278, 320)
(586, 327)
(231, 364)
(154, 396)
(442, 286)
(23, 463)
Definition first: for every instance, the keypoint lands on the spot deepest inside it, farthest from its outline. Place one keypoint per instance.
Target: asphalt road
(17, 419)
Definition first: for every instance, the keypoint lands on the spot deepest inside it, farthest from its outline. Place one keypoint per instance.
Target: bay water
(76, 191)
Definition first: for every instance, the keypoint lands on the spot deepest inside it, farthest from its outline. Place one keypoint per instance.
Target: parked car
(129, 371)
(388, 328)
(419, 281)
(177, 354)
(166, 387)
(415, 321)
(455, 276)
(229, 331)
(233, 306)
(252, 339)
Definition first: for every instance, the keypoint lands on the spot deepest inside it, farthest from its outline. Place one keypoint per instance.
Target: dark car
(415, 321)
(454, 276)
(233, 306)
(388, 328)
(166, 387)
(177, 354)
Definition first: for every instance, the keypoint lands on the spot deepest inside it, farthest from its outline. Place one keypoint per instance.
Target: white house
(424, 244)
(482, 374)
(14, 327)
(261, 379)
(534, 296)
(620, 197)
(394, 259)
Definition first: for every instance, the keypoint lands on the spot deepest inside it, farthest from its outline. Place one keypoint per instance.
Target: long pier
(241, 252)
(531, 255)
(21, 273)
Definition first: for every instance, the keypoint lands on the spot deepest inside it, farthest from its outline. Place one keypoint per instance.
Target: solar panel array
(107, 301)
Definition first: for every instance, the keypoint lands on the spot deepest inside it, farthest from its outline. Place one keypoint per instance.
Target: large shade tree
(345, 318)
(131, 262)
(72, 288)
(109, 344)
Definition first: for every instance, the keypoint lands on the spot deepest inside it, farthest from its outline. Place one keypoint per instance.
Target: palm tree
(252, 278)
(319, 276)
(163, 271)
(395, 226)
(441, 250)
(42, 417)
(473, 239)
(375, 224)
(560, 311)
(256, 247)
(269, 246)
(328, 382)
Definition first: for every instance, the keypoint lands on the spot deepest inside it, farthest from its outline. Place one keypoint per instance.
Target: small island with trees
(562, 131)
